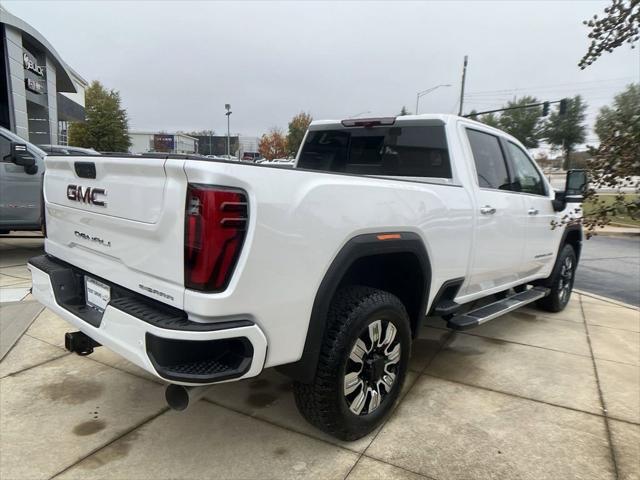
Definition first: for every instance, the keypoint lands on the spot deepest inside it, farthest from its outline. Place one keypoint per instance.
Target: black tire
(325, 402)
(561, 281)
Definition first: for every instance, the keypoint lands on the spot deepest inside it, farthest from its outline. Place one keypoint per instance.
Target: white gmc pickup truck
(208, 271)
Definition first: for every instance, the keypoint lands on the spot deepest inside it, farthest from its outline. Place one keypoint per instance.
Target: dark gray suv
(21, 170)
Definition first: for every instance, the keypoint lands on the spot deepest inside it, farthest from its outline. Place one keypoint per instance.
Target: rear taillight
(215, 227)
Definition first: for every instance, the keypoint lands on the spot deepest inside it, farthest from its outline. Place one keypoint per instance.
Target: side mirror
(576, 186)
(21, 156)
(574, 190)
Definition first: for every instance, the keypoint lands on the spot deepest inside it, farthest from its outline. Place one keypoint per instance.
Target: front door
(500, 227)
(541, 240)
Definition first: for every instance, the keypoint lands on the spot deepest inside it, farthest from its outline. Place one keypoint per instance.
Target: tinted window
(526, 179)
(489, 160)
(5, 148)
(392, 151)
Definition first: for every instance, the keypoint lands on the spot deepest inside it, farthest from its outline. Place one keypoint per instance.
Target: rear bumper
(155, 337)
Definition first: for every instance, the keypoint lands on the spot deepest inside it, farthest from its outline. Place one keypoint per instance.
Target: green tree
(522, 123)
(404, 111)
(567, 130)
(106, 124)
(490, 119)
(615, 163)
(297, 128)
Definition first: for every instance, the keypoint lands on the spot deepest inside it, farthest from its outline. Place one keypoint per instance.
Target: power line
(507, 90)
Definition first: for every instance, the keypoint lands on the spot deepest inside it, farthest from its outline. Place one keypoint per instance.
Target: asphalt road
(610, 266)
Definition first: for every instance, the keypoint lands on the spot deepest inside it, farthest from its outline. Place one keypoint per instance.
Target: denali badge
(99, 240)
(86, 195)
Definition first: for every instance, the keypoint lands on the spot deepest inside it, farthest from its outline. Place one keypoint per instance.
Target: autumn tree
(106, 126)
(297, 128)
(273, 144)
(568, 129)
(619, 25)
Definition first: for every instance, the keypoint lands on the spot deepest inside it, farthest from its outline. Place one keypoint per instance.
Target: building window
(63, 132)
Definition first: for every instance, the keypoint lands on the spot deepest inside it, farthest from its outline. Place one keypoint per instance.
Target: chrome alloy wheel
(371, 369)
(566, 279)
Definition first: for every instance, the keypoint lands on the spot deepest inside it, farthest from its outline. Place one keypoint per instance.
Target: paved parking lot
(530, 395)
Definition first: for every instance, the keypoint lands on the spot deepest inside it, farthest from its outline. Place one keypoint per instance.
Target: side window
(5, 148)
(527, 178)
(489, 159)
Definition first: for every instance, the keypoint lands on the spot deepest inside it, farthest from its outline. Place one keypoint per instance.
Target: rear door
(500, 227)
(121, 219)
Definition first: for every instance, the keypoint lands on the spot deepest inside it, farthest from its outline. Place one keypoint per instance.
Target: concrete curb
(605, 233)
(606, 299)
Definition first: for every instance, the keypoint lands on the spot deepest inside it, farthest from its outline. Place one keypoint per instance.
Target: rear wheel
(561, 281)
(362, 364)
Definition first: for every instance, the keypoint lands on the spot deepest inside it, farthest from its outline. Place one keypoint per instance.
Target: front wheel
(362, 365)
(561, 281)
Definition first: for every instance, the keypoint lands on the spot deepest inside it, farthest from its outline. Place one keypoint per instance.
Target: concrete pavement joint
(37, 365)
(447, 339)
(399, 467)
(118, 437)
(44, 341)
(274, 424)
(601, 396)
(515, 395)
(545, 348)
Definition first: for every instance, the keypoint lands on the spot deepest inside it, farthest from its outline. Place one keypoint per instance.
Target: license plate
(97, 293)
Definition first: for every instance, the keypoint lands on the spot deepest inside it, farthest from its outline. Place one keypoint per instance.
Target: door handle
(487, 210)
(533, 211)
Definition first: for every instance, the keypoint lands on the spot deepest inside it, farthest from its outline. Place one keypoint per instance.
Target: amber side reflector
(389, 236)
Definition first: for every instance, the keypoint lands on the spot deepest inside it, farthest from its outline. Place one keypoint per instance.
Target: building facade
(145, 142)
(39, 92)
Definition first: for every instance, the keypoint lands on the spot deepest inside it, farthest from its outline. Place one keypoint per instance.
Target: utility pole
(228, 114)
(464, 77)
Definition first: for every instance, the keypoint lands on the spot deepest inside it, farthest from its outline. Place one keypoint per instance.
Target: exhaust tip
(177, 397)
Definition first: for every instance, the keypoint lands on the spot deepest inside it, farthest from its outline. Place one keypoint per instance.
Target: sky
(176, 64)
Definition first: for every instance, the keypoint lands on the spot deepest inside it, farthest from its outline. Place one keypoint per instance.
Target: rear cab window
(413, 151)
(489, 159)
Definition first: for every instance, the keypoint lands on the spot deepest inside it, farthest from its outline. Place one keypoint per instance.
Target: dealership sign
(31, 64)
(163, 143)
(34, 86)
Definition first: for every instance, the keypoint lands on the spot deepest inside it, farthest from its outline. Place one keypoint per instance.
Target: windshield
(413, 151)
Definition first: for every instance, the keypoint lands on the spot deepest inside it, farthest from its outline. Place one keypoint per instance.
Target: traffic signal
(563, 106)
(545, 109)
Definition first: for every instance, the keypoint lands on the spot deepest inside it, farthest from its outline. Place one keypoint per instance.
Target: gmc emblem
(86, 195)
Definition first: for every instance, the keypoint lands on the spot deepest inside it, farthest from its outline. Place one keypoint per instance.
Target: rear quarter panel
(299, 221)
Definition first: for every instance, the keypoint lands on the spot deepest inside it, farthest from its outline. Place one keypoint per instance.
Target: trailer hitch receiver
(79, 343)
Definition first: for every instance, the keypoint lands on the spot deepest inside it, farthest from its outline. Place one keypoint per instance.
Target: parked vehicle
(21, 169)
(208, 271)
(67, 150)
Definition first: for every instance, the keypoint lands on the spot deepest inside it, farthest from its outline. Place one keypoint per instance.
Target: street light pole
(228, 114)
(421, 94)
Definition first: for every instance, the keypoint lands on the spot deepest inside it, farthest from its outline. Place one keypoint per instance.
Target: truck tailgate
(121, 219)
